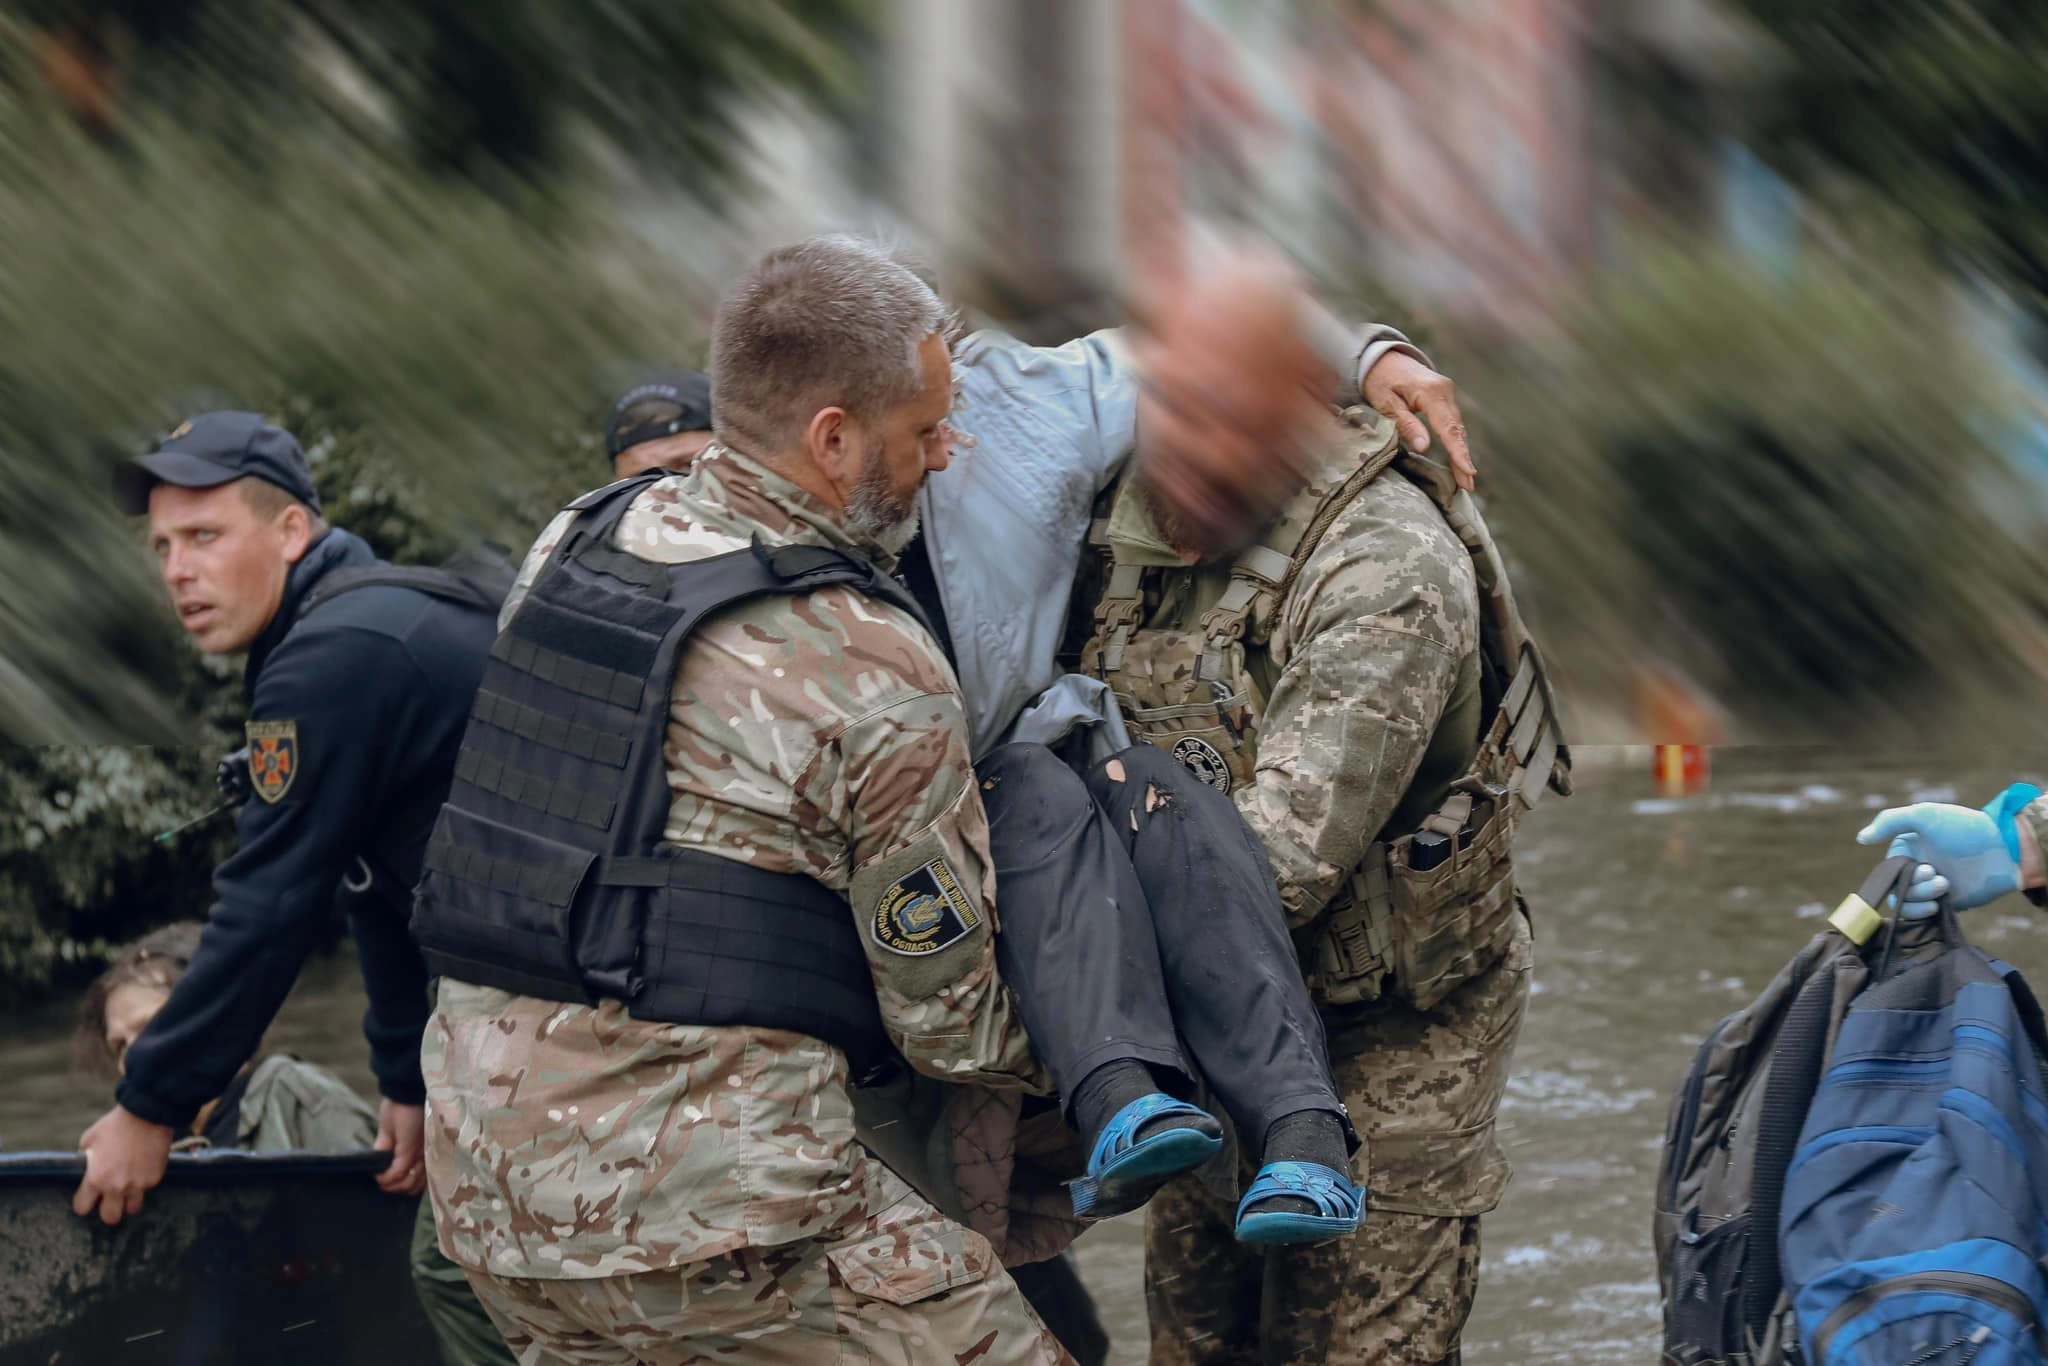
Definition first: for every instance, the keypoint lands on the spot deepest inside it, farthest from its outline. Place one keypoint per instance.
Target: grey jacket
(1006, 523)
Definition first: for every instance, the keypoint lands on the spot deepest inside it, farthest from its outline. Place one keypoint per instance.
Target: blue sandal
(1125, 1171)
(1341, 1205)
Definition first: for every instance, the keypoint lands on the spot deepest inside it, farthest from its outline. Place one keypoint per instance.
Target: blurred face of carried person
(1233, 396)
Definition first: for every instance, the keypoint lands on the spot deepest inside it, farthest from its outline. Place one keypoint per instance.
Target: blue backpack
(1914, 1214)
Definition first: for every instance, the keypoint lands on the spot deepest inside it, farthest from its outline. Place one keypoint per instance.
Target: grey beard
(874, 517)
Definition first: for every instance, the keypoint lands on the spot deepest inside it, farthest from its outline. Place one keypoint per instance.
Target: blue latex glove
(1970, 857)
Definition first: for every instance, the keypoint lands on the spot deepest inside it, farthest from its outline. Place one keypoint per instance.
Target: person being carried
(276, 1103)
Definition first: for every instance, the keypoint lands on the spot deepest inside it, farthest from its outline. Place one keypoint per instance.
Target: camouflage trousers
(465, 1334)
(904, 1287)
(1422, 1087)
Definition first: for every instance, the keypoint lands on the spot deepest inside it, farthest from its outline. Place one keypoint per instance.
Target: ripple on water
(1785, 803)
(1564, 1095)
(1606, 1321)
(1575, 1249)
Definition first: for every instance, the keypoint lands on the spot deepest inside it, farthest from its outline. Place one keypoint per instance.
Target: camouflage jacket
(821, 735)
(1370, 672)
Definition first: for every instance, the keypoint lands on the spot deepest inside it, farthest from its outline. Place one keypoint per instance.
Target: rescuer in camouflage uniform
(622, 1190)
(1321, 626)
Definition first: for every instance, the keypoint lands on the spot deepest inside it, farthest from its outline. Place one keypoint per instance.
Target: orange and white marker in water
(1681, 770)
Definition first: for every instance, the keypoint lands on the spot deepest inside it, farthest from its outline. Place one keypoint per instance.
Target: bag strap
(1797, 1057)
(1261, 576)
(2028, 1007)
(446, 584)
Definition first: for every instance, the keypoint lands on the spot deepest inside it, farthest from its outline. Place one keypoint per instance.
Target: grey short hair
(829, 322)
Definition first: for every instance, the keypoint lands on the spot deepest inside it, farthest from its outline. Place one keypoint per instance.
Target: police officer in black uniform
(359, 681)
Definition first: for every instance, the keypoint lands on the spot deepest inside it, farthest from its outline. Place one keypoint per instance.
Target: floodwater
(1654, 918)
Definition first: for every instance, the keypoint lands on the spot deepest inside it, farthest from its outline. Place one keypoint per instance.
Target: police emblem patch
(273, 758)
(923, 912)
(1201, 758)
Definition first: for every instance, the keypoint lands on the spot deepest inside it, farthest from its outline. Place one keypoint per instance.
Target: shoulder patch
(273, 758)
(923, 911)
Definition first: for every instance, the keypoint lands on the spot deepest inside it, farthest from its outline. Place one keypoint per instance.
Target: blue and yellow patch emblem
(923, 912)
(273, 758)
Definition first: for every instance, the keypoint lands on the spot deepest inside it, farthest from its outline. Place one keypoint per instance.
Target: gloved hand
(1970, 857)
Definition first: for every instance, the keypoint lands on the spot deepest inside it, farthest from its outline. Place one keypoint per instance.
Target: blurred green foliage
(80, 867)
(499, 93)
(1940, 108)
(1774, 484)
(441, 353)
(444, 355)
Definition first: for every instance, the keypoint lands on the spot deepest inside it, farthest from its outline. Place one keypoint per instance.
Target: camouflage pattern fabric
(1370, 643)
(901, 1287)
(464, 1333)
(1354, 671)
(1367, 669)
(820, 735)
(983, 1156)
(1422, 1086)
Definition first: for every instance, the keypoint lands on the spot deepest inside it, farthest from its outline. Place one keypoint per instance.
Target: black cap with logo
(211, 449)
(661, 405)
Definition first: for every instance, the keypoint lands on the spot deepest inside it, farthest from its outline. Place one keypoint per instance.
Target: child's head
(127, 996)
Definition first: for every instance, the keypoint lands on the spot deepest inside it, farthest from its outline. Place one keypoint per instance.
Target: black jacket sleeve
(395, 976)
(353, 696)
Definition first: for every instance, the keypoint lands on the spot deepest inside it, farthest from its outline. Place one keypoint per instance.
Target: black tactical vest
(547, 873)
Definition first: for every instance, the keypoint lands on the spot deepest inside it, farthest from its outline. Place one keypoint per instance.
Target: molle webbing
(548, 873)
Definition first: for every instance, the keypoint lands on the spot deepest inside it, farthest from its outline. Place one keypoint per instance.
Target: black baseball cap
(663, 404)
(211, 449)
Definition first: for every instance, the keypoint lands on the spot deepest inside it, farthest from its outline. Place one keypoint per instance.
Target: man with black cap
(661, 423)
(360, 680)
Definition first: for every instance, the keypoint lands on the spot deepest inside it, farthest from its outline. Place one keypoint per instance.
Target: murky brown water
(1653, 919)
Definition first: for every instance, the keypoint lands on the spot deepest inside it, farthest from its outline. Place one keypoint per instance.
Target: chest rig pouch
(1428, 909)
(1188, 692)
(1431, 908)
(547, 873)
(1191, 691)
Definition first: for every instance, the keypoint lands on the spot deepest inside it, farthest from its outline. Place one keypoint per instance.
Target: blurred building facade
(1056, 155)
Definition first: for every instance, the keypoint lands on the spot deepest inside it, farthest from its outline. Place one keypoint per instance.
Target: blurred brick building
(1477, 155)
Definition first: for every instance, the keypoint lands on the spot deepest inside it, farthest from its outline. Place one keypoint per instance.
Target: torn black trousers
(1139, 919)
